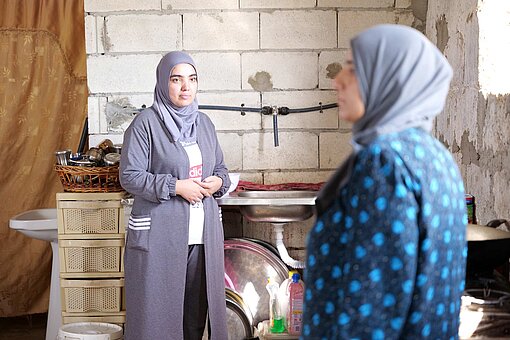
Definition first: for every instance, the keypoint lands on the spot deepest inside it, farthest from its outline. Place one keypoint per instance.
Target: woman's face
(182, 85)
(350, 104)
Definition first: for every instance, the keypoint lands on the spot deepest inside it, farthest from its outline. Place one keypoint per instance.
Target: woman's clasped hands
(193, 190)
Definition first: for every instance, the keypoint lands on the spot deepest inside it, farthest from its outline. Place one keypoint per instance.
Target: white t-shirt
(196, 213)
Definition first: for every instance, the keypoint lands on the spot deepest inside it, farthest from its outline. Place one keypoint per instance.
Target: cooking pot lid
(477, 232)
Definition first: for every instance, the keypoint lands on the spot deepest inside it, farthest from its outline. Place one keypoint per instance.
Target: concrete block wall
(251, 52)
(476, 122)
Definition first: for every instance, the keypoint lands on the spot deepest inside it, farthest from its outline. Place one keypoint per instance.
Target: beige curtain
(43, 99)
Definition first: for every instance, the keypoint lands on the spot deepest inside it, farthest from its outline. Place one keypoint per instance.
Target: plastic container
(90, 331)
(276, 321)
(283, 295)
(295, 315)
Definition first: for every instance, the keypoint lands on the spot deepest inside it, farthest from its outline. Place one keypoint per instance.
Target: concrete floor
(28, 327)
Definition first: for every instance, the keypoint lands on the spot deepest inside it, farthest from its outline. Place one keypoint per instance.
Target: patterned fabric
(387, 259)
(43, 103)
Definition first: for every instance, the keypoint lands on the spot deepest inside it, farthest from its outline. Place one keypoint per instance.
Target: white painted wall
(296, 43)
(299, 44)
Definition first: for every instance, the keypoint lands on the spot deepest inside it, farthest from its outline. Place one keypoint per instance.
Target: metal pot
(239, 317)
(488, 247)
(247, 267)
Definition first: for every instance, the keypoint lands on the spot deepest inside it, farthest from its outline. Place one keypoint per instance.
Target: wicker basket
(89, 179)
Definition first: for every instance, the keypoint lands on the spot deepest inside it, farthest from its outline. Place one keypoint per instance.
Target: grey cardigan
(157, 236)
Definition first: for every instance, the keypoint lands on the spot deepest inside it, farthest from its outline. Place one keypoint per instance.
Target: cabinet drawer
(90, 217)
(91, 256)
(91, 295)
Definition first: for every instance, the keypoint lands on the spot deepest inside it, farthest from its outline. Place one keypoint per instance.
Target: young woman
(173, 165)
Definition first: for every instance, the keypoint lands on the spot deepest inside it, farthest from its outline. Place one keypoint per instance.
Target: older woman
(386, 257)
(173, 166)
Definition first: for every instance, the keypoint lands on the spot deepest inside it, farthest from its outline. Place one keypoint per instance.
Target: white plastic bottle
(295, 315)
(276, 324)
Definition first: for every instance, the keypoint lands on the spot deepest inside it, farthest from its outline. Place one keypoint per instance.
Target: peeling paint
(261, 81)
(105, 39)
(470, 17)
(455, 147)
(333, 69)
(468, 150)
(442, 33)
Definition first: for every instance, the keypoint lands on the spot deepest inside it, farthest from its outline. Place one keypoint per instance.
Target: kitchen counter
(234, 199)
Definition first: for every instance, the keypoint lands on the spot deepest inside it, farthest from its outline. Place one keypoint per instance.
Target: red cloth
(244, 186)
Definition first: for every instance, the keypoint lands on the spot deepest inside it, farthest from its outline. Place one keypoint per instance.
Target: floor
(28, 327)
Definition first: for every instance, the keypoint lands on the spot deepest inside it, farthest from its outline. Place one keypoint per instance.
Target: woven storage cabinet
(91, 256)
(91, 295)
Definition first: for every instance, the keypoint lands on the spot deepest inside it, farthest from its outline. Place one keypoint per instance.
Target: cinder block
(317, 176)
(124, 5)
(277, 4)
(218, 71)
(330, 63)
(122, 73)
(403, 3)
(117, 118)
(221, 31)
(199, 4)
(297, 150)
(142, 33)
(231, 120)
(136, 100)
(328, 119)
(93, 108)
(232, 147)
(334, 147)
(351, 23)
(97, 138)
(100, 29)
(356, 3)
(254, 177)
(90, 34)
(298, 29)
(405, 17)
(265, 71)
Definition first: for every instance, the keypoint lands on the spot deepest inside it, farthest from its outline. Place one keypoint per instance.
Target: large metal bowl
(247, 267)
(278, 206)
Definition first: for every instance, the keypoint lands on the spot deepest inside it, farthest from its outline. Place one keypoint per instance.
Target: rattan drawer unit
(91, 258)
(91, 240)
(92, 296)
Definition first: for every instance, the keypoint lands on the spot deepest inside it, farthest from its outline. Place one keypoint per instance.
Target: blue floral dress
(387, 259)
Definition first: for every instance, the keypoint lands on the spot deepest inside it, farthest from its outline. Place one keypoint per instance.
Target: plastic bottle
(276, 323)
(283, 296)
(295, 316)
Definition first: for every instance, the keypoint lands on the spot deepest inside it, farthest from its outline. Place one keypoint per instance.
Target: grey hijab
(180, 121)
(403, 79)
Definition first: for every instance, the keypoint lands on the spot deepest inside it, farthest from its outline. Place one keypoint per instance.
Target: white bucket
(90, 331)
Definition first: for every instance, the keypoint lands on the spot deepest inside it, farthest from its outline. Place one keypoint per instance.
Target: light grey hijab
(403, 79)
(180, 121)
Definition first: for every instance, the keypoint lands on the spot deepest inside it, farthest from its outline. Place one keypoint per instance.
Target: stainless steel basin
(277, 206)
